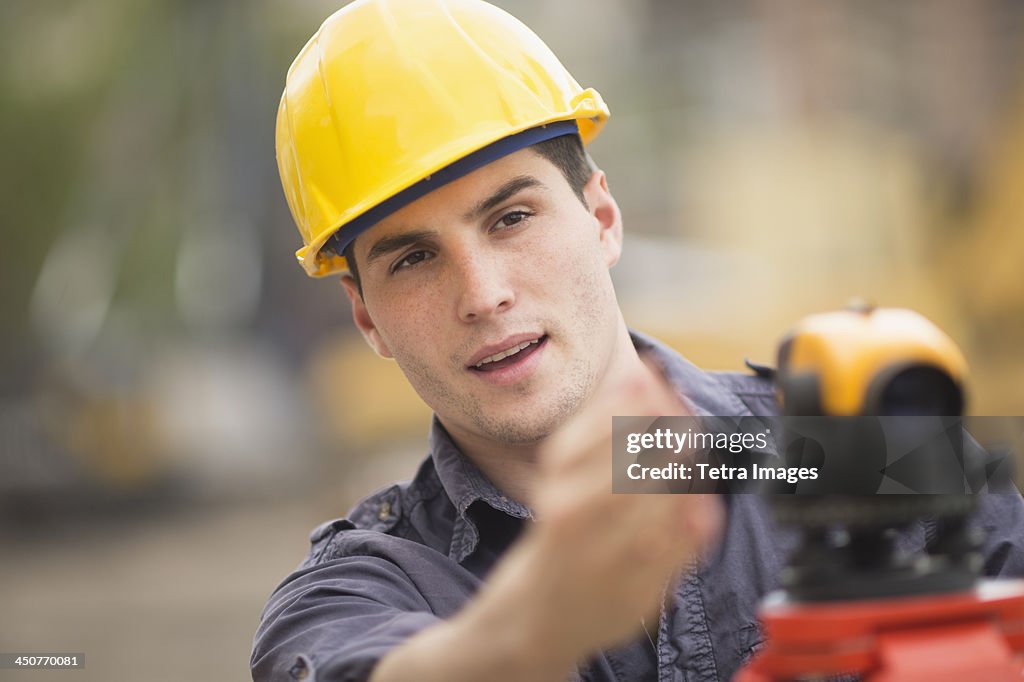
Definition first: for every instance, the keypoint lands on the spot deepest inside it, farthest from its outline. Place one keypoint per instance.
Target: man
(432, 152)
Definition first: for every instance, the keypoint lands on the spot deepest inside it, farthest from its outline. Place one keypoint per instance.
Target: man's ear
(361, 316)
(606, 212)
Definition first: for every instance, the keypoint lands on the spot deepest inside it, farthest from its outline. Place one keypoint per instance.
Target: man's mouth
(509, 356)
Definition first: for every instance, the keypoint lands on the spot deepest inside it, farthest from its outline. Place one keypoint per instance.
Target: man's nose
(482, 286)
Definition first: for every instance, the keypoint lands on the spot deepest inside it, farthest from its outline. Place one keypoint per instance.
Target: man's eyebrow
(509, 189)
(386, 245)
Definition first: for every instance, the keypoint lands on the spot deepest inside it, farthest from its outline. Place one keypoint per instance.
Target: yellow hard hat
(390, 99)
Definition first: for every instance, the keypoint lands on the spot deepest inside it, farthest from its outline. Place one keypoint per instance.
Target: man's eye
(412, 259)
(511, 219)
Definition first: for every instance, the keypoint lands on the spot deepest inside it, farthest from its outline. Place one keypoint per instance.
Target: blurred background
(172, 418)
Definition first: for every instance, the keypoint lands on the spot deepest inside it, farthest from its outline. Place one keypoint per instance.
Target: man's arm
(582, 578)
(334, 620)
(543, 610)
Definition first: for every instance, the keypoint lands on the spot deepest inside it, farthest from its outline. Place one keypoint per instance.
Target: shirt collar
(465, 484)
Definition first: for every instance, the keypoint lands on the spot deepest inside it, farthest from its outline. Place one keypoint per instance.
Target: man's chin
(514, 434)
(524, 425)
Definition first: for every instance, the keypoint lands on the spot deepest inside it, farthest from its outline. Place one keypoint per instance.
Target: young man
(432, 152)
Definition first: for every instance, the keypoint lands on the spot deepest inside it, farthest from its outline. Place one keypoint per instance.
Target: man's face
(493, 295)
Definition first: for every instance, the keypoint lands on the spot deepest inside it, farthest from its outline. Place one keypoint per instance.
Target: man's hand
(596, 563)
(588, 571)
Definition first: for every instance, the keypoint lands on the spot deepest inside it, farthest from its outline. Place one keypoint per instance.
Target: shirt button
(299, 671)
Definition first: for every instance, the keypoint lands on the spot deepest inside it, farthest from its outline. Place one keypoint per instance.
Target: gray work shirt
(413, 554)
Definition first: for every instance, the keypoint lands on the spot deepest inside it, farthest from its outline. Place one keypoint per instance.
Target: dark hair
(565, 152)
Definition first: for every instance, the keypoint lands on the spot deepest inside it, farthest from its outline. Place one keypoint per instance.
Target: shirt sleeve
(1001, 516)
(334, 621)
